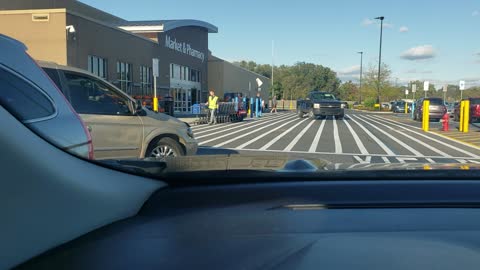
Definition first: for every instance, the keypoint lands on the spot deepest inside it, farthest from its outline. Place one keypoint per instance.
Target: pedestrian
(258, 105)
(212, 104)
(274, 105)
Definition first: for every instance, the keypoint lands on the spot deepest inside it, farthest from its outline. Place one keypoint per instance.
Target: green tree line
(295, 81)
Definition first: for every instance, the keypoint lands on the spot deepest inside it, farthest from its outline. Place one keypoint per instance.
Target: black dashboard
(302, 225)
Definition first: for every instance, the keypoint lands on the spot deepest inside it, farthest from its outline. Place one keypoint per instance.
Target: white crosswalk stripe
(299, 136)
(412, 138)
(404, 145)
(244, 129)
(384, 147)
(358, 138)
(246, 134)
(404, 126)
(336, 137)
(359, 142)
(234, 127)
(266, 146)
(316, 140)
(263, 135)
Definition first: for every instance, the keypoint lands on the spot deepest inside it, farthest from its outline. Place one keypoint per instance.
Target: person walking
(274, 105)
(212, 104)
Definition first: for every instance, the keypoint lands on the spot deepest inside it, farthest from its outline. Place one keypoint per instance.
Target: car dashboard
(302, 225)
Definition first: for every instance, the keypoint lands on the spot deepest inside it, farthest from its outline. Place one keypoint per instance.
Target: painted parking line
(400, 125)
(336, 137)
(276, 139)
(412, 138)
(247, 128)
(316, 140)
(299, 136)
(359, 142)
(382, 145)
(240, 147)
(236, 138)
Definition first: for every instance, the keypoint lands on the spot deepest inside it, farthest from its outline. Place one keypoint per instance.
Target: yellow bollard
(155, 104)
(462, 111)
(406, 108)
(426, 115)
(466, 115)
(291, 105)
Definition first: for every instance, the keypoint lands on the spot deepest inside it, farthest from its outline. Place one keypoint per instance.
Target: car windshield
(325, 96)
(263, 84)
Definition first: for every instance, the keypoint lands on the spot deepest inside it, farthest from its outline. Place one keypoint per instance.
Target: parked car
(474, 110)
(33, 98)
(437, 109)
(451, 110)
(320, 104)
(120, 126)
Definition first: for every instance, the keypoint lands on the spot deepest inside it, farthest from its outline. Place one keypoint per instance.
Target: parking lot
(359, 139)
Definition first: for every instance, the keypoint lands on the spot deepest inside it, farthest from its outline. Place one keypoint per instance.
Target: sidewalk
(472, 138)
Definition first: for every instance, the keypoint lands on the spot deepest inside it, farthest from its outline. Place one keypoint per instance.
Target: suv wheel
(299, 113)
(165, 147)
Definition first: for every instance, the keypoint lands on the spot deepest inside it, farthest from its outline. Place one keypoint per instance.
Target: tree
(348, 91)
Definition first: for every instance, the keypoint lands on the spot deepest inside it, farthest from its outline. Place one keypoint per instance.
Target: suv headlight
(316, 106)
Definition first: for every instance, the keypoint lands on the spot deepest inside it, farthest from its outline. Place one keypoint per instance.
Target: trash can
(168, 105)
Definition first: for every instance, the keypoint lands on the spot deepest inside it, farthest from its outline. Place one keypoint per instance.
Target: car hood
(154, 116)
(285, 163)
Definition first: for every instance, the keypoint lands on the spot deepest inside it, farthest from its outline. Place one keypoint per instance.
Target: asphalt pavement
(360, 138)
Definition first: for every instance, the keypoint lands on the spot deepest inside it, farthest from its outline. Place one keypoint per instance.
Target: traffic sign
(406, 92)
(426, 85)
(462, 85)
(414, 88)
(445, 87)
(155, 67)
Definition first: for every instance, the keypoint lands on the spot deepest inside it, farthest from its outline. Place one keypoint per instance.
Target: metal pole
(361, 74)
(273, 63)
(379, 57)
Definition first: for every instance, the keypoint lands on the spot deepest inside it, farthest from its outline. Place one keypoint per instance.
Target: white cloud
(388, 25)
(353, 70)
(367, 22)
(419, 53)
(475, 13)
(403, 29)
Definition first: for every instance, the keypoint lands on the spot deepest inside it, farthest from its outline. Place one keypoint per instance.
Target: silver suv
(30, 96)
(120, 126)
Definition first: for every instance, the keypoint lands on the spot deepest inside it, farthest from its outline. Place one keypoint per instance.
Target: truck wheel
(340, 117)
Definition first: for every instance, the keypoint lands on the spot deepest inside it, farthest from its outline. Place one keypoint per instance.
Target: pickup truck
(320, 105)
(474, 110)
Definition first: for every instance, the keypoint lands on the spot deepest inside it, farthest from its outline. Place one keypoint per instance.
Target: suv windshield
(325, 96)
(202, 94)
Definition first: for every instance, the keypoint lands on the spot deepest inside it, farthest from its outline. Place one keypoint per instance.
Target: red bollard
(445, 120)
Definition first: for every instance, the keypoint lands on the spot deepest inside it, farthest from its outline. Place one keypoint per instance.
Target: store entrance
(184, 99)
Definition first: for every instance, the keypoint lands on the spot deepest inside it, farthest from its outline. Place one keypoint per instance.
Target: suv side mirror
(139, 108)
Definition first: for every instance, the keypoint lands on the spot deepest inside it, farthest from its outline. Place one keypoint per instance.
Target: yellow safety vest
(213, 102)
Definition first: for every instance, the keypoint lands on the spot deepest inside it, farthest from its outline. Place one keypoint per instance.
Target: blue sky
(439, 41)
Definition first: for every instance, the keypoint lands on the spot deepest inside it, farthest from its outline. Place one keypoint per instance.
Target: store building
(71, 33)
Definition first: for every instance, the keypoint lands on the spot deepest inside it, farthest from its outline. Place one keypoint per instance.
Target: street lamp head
(360, 52)
(380, 18)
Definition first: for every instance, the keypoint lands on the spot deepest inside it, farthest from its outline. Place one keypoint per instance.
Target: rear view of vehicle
(474, 110)
(437, 109)
(29, 95)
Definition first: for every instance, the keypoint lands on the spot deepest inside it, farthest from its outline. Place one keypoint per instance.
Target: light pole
(361, 73)
(379, 57)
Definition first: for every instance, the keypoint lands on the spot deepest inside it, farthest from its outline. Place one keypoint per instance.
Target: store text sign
(183, 47)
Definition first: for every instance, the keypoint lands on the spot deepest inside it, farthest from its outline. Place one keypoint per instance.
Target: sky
(430, 40)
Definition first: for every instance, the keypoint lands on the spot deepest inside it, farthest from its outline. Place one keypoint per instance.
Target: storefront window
(124, 75)
(146, 80)
(97, 66)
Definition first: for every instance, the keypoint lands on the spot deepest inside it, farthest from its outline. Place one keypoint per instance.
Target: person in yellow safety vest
(212, 107)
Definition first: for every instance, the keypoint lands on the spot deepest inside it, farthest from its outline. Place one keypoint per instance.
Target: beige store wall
(45, 39)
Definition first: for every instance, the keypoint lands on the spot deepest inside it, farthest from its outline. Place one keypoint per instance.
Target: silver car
(120, 126)
(30, 96)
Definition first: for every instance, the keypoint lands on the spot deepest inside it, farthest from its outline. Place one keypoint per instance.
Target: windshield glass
(326, 96)
(204, 93)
